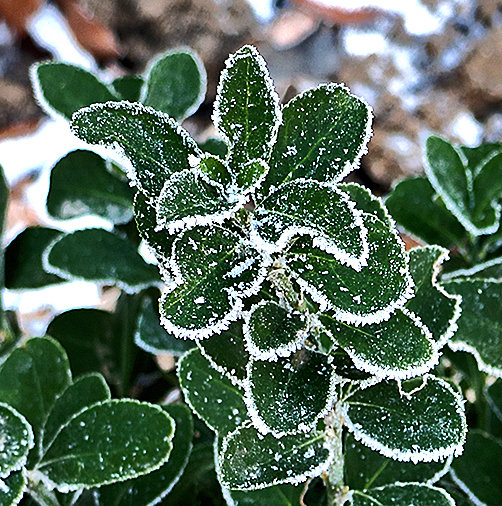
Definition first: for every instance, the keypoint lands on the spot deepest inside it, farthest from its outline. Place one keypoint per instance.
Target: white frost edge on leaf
(200, 67)
(17, 499)
(29, 441)
(452, 327)
(270, 354)
(70, 487)
(453, 207)
(293, 480)
(135, 109)
(67, 276)
(39, 94)
(459, 345)
(225, 372)
(188, 222)
(348, 166)
(262, 427)
(186, 390)
(399, 484)
(441, 472)
(465, 489)
(450, 276)
(269, 87)
(319, 239)
(235, 298)
(436, 455)
(395, 373)
(377, 316)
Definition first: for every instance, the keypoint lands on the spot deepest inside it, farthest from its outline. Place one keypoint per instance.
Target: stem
(333, 478)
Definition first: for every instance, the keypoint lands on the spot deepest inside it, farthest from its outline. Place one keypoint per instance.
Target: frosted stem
(333, 477)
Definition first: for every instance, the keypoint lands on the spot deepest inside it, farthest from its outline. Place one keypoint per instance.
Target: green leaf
(214, 146)
(81, 185)
(477, 156)
(421, 421)
(64, 89)
(250, 176)
(216, 170)
(469, 197)
(153, 142)
(480, 322)
(304, 207)
(151, 337)
(16, 438)
(198, 484)
(87, 337)
(491, 269)
(211, 396)
(493, 395)
(344, 367)
(246, 109)
(214, 271)
(249, 461)
(416, 494)
(83, 392)
(367, 202)
(280, 495)
(32, 378)
(414, 204)
(189, 200)
(365, 468)
(128, 87)
(12, 489)
(270, 331)
(95, 254)
(153, 487)
(437, 309)
(23, 259)
(477, 470)
(176, 84)
(401, 347)
(323, 135)
(145, 217)
(289, 395)
(364, 297)
(107, 442)
(227, 353)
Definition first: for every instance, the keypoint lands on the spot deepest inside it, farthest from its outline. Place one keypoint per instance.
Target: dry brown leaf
(336, 15)
(17, 12)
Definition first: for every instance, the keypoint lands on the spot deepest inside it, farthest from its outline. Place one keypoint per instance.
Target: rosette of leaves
(62, 435)
(295, 292)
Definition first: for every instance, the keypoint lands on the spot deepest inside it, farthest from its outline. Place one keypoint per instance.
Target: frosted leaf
(159, 242)
(477, 470)
(366, 468)
(109, 441)
(323, 136)
(416, 494)
(399, 348)
(289, 396)
(153, 142)
(216, 170)
(175, 83)
(437, 309)
(491, 269)
(426, 425)
(187, 201)
(250, 461)
(246, 110)
(250, 176)
(344, 366)
(12, 488)
(270, 331)
(286, 494)
(367, 202)
(227, 354)
(16, 440)
(479, 324)
(469, 193)
(214, 271)
(320, 210)
(211, 396)
(361, 298)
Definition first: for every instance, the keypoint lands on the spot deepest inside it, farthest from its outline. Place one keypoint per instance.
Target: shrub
(309, 339)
